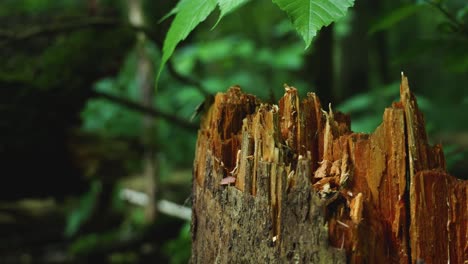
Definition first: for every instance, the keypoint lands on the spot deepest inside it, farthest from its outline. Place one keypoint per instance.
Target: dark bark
(318, 68)
(355, 49)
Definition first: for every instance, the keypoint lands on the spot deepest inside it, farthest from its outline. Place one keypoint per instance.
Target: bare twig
(180, 77)
(457, 24)
(185, 79)
(147, 110)
(56, 28)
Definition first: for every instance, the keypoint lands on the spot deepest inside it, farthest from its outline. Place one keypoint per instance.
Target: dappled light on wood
(292, 183)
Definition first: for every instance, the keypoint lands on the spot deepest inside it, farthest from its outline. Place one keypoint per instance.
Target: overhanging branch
(56, 28)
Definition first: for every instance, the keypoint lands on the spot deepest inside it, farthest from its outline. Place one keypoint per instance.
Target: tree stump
(291, 183)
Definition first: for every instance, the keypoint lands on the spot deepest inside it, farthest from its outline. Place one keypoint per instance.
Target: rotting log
(291, 183)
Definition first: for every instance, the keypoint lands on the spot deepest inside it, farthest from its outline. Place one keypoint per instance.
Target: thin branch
(173, 119)
(177, 75)
(32, 31)
(460, 26)
(56, 28)
(185, 79)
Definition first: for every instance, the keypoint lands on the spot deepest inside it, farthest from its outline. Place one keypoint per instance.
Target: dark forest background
(95, 165)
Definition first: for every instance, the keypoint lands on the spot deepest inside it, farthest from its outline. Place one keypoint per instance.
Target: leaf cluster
(307, 16)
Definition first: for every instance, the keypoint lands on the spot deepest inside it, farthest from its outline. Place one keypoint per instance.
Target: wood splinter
(287, 169)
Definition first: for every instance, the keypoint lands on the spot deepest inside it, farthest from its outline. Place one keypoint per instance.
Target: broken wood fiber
(292, 183)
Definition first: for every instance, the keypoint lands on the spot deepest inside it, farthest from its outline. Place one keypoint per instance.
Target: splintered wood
(292, 183)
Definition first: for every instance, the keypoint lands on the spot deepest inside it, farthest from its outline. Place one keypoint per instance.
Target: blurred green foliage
(366, 109)
(178, 249)
(82, 212)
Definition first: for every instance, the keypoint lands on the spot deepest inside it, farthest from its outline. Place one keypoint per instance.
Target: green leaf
(394, 17)
(80, 214)
(227, 6)
(308, 16)
(356, 103)
(171, 13)
(190, 14)
(462, 12)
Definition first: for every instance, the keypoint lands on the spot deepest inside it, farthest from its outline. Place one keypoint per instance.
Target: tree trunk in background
(292, 183)
(380, 42)
(355, 50)
(144, 80)
(319, 64)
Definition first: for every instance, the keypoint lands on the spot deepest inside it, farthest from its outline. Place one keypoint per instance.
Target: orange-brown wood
(384, 196)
